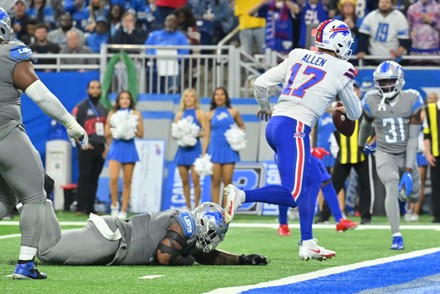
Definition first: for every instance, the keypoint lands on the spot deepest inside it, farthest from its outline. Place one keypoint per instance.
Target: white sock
(27, 253)
(308, 243)
(242, 196)
(397, 234)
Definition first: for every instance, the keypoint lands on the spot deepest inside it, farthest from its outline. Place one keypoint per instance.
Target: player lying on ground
(172, 237)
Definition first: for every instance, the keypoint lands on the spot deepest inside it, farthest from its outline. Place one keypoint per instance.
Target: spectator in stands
(79, 12)
(19, 20)
(43, 46)
(57, 6)
(313, 12)
(43, 13)
(31, 26)
(218, 12)
(91, 115)
(252, 29)
(128, 33)
(99, 36)
(348, 15)
(186, 23)
(424, 26)
(169, 36)
(384, 32)
(279, 16)
(96, 8)
(114, 17)
(185, 156)
(58, 36)
(218, 120)
(165, 8)
(73, 46)
(122, 152)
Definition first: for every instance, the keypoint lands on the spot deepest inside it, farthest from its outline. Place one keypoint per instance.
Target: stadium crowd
(406, 27)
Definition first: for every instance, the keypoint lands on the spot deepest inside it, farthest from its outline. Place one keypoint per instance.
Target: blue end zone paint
(367, 278)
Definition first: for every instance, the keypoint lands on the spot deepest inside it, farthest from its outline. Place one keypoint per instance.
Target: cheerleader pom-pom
(176, 131)
(123, 125)
(187, 141)
(203, 165)
(236, 138)
(185, 131)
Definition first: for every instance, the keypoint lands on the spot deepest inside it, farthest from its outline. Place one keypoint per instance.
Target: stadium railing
(204, 68)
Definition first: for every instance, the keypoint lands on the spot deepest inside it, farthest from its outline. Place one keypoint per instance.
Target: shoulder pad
(20, 52)
(188, 223)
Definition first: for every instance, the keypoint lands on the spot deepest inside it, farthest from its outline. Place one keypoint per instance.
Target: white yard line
(325, 272)
(10, 236)
(274, 226)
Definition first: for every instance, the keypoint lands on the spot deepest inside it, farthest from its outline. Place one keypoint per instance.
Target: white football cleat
(234, 198)
(311, 250)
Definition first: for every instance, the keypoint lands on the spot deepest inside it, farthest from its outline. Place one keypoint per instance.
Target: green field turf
(351, 247)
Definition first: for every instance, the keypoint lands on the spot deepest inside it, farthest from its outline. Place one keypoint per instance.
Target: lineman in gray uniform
(21, 169)
(172, 237)
(395, 114)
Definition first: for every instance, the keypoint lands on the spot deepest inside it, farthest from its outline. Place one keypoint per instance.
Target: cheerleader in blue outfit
(219, 119)
(185, 156)
(124, 123)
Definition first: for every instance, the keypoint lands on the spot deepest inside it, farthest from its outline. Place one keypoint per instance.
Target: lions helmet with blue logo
(389, 79)
(334, 35)
(211, 227)
(6, 33)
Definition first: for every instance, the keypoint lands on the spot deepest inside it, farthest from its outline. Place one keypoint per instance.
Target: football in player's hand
(341, 121)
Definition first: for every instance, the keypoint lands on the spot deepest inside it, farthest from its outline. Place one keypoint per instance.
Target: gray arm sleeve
(364, 131)
(411, 145)
(47, 101)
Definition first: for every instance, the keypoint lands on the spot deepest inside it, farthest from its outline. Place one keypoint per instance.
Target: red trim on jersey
(299, 167)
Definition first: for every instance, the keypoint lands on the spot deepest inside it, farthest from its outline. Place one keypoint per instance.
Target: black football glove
(252, 259)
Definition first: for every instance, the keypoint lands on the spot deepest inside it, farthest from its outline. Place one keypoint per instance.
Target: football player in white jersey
(395, 115)
(384, 31)
(311, 81)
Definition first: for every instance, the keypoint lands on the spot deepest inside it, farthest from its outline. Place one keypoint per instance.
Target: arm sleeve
(47, 101)
(365, 131)
(411, 146)
(273, 76)
(351, 102)
(363, 42)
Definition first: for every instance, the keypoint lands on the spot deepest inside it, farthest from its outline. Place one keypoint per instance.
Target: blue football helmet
(210, 226)
(6, 33)
(389, 79)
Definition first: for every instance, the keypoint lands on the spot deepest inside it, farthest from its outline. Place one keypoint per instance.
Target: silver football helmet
(389, 79)
(210, 226)
(6, 33)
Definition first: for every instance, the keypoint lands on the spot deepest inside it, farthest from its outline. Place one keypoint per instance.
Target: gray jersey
(392, 124)
(147, 230)
(10, 110)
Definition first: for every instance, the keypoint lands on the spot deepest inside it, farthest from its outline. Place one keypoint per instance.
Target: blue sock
(332, 200)
(282, 214)
(306, 207)
(271, 194)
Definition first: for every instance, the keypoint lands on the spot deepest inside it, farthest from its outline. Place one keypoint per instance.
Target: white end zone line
(325, 272)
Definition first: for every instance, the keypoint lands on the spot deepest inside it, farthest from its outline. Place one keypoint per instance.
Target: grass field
(366, 243)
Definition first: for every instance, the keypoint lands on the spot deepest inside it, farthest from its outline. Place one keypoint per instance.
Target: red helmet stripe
(320, 31)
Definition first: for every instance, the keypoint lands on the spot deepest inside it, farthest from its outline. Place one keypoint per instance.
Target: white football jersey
(385, 31)
(311, 82)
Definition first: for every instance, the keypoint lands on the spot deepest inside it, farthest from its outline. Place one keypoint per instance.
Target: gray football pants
(85, 246)
(22, 179)
(390, 169)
